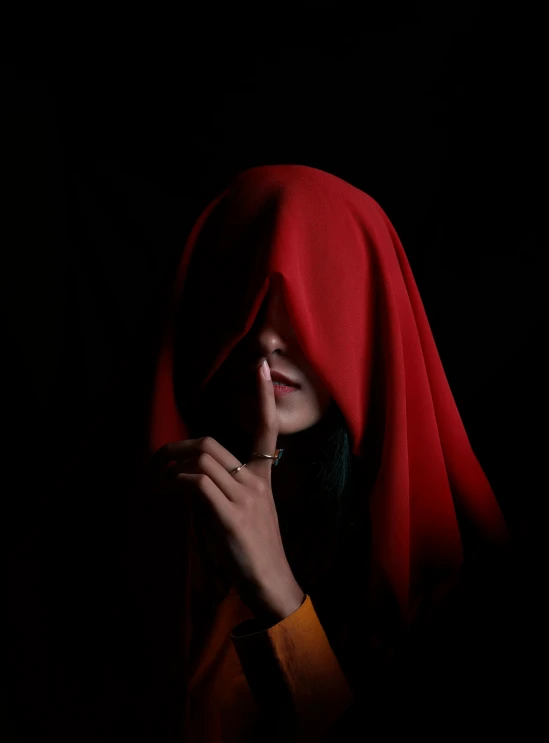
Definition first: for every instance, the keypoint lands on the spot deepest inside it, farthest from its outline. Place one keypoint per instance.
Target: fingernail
(265, 369)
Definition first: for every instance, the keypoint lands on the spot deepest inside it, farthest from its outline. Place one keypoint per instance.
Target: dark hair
(333, 474)
(335, 507)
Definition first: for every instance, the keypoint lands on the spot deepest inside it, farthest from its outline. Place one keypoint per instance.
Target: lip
(277, 376)
(243, 379)
(282, 390)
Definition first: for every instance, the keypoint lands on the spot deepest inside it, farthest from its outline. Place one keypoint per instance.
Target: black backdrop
(109, 158)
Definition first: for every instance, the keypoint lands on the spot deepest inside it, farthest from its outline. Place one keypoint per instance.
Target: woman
(306, 528)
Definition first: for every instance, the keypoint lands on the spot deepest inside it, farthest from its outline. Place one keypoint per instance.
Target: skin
(239, 510)
(300, 414)
(272, 337)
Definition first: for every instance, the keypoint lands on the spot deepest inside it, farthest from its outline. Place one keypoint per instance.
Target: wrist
(275, 604)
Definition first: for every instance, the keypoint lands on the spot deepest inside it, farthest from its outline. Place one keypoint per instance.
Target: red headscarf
(358, 317)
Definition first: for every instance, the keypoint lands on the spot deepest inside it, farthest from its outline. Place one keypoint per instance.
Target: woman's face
(272, 336)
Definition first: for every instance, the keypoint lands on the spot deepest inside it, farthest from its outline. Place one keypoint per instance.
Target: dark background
(109, 155)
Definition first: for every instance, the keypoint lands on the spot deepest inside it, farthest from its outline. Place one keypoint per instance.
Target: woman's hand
(240, 508)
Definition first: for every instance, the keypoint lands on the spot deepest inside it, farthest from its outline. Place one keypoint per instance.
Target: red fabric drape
(358, 316)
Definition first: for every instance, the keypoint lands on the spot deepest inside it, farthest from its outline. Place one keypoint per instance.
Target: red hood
(358, 316)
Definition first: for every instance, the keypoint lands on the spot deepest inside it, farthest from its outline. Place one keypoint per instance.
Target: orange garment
(253, 681)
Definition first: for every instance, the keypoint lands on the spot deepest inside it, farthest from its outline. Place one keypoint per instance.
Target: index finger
(264, 441)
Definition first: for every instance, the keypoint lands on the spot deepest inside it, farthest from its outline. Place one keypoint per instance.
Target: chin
(288, 430)
(288, 427)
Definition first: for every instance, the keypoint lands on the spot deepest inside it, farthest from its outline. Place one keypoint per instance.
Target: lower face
(298, 408)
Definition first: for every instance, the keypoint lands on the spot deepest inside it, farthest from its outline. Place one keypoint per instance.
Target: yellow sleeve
(293, 674)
